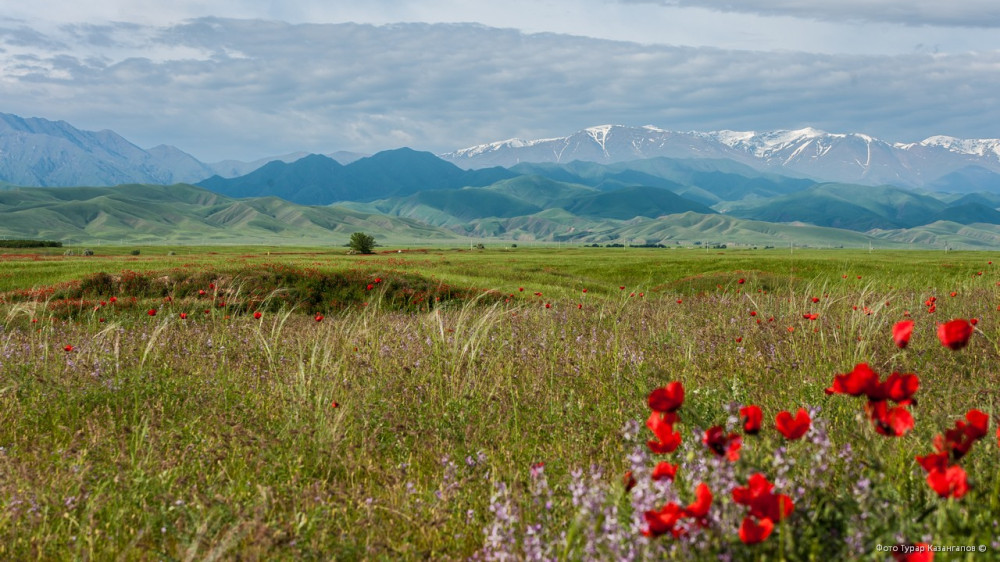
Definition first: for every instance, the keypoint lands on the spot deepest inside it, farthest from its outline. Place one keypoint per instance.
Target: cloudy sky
(250, 78)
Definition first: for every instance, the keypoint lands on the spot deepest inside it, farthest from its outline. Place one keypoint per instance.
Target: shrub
(134, 253)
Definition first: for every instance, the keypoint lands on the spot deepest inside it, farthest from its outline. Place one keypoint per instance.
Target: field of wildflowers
(501, 405)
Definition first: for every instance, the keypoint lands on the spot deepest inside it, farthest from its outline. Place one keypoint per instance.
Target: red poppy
(739, 340)
(955, 442)
(538, 294)
(698, 509)
(211, 286)
(378, 279)
(859, 381)
(585, 290)
(579, 306)
(664, 471)
(901, 333)
(973, 321)
(753, 532)
(662, 521)
(978, 423)
(741, 281)
(68, 348)
(933, 461)
(667, 440)
(319, 317)
(955, 334)
(751, 416)
(721, 444)
(369, 287)
(951, 482)
(758, 496)
(920, 552)
(628, 480)
(891, 422)
(257, 315)
(151, 312)
(622, 287)
(548, 305)
(520, 289)
(201, 292)
(101, 320)
(753, 313)
(679, 301)
(667, 398)
(898, 387)
(815, 299)
(793, 427)
(334, 404)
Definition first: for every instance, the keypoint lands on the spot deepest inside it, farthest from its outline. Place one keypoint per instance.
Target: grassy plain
(401, 425)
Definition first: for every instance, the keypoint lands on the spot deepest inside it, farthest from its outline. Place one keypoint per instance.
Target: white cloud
(224, 88)
(960, 13)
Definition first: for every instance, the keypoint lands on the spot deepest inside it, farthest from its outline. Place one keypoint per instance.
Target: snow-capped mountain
(850, 157)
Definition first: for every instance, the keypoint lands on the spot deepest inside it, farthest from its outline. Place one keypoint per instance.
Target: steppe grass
(483, 424)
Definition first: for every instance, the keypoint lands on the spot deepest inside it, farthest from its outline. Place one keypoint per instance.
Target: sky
(245, 79)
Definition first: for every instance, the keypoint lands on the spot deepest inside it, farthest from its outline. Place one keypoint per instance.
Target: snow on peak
(600, 135)
(975, 147)
(495, 146)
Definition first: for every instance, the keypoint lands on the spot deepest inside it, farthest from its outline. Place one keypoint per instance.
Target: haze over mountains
(37, 152)
(609, 184)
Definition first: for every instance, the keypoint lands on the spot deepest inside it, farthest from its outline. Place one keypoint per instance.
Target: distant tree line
(30, 244)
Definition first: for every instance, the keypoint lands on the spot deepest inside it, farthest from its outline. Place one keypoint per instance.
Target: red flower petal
(751, 416)
(667, 440)
(664, 471)
(978, 423)
(859, 381)
(793, 428)
(702, 502)
(955, 334)
(753, 532)
(951, 482)
(663, 520)
(901, 333)
(668, 398)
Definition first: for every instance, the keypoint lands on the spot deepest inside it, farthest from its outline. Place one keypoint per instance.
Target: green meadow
(455, 403)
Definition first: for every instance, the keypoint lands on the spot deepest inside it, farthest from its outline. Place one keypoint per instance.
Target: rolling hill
(857, 207)
(187, 214)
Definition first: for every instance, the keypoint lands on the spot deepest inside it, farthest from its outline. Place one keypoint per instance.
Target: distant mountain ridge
(320, 180)
(850, 157)
(36, 152)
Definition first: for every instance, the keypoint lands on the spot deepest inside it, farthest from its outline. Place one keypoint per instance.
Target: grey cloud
(24, 36)
(253, 88)
(966, 13)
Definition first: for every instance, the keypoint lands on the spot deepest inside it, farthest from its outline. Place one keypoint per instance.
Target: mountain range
(944, 163)
(37, 152)
(605, 184)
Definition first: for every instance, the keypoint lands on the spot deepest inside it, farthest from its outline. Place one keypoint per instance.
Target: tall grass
(386, 433)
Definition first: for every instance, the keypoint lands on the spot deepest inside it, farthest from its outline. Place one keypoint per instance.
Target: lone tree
(362, 243)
